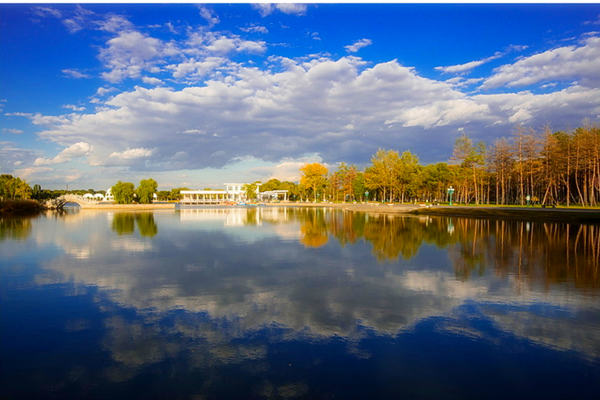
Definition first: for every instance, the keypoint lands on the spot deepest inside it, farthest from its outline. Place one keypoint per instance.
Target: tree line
(546, 168)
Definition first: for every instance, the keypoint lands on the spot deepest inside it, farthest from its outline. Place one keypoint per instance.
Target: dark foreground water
(281, 303)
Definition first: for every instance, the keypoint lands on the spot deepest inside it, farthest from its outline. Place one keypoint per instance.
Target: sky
(199, 95)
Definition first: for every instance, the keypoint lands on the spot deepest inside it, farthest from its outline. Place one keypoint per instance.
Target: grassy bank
(575, 215)
(20, 207)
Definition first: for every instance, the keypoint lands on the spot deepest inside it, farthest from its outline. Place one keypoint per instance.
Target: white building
(273, 195)
(94, 197)
(109, 196)
(233, 193)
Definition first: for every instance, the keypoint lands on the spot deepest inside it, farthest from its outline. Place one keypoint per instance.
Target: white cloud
(128, 54)
(131, 53)
(353, 48)
(461, 68)
(73, 107)
(460, 82)
(131, 154)
(254, 29)
(12, 130)
(196, 69)
(581, 63)
(78, 20)
(75, 74)
(152, 81)
(115, 24)
(221, 44)
(79, 149)
(46, 12)
(291, 8)
(266, 9)
(209, 16)
(104, 90)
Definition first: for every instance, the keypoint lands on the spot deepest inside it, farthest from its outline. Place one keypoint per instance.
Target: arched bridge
(74, 198)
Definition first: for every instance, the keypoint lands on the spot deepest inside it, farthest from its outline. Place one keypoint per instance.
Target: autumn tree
(314, 177)
(382, 172)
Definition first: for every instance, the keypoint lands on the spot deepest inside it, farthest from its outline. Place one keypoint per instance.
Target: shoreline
(151, 206)
(569, 215)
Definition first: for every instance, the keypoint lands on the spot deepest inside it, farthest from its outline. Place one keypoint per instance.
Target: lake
(287, 303)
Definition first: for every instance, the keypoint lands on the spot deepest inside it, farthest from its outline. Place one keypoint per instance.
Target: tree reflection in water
(15, 228)
(528, 251)
(124, 224)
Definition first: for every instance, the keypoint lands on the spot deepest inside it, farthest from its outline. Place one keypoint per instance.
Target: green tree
(123, 192)
(250, 190)
(176, 193)
(146, 190)
(36, 192)
(163, 195)
(358, 186)
(271, 184)
(13, 188)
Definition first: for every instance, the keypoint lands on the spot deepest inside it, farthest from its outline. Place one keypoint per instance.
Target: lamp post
(450, 193)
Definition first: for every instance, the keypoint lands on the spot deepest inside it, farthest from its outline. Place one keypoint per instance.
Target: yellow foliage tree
(314, 176)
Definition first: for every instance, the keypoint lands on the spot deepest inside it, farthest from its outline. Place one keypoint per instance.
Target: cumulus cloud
(76, 150)
(193, 68)
(131, 53)
(128, 54)
(356, 46)
(581, 63)
(104, 90)
(339, 109)
(152, 81)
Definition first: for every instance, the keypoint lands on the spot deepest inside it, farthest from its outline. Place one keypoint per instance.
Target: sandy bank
(158, 206)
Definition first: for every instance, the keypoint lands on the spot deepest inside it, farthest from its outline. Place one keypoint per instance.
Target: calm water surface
(280, 303)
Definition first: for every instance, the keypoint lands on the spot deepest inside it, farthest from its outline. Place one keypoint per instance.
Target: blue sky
(197, 95)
